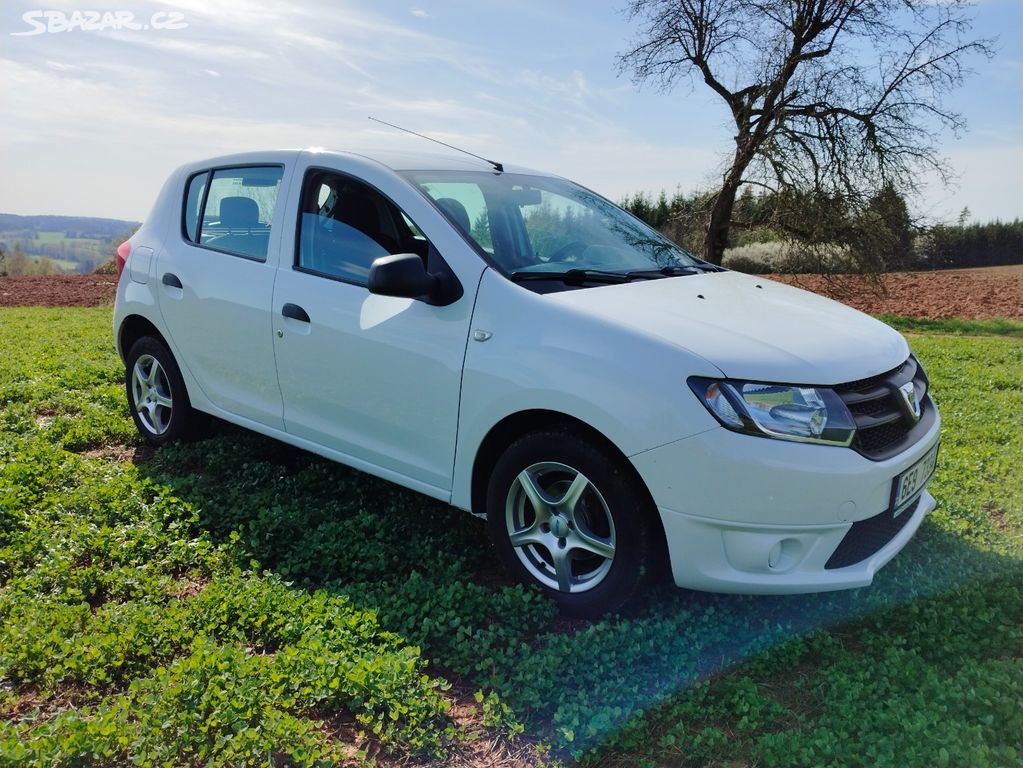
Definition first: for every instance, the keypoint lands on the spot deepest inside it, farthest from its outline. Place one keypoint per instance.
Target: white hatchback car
(516, 345)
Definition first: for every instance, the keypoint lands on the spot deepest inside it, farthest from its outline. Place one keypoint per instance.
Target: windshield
(538, 224)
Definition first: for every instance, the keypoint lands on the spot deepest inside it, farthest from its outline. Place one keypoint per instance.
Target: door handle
(169, 278)
(295, 312)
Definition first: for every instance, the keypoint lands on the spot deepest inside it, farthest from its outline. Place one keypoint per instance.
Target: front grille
(884, 426)
(875, 380)
(873, 407)
(867, 537)
(877, 439)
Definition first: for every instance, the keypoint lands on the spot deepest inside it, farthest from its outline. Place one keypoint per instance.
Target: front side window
(464, 204)
(538, 224)
(344, 225)
(236, 209)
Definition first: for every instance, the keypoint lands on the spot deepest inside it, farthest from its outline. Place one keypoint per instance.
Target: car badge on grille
(910, 402)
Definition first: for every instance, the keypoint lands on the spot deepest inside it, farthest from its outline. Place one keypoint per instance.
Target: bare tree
(833, 97)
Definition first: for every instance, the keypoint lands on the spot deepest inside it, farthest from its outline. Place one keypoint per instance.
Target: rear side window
(230, 209)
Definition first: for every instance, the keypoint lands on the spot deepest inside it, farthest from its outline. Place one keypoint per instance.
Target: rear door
(215, 282)
(373, 377)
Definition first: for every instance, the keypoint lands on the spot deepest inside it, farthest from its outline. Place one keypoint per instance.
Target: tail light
(123, 250)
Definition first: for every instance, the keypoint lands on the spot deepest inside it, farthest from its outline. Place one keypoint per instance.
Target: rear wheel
(156, 392)
(567, 515)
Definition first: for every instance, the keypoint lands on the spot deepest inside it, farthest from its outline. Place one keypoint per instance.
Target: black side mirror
(405, 276)
(401, 274)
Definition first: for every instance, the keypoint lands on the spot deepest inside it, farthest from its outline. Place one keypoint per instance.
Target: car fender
(528, 353)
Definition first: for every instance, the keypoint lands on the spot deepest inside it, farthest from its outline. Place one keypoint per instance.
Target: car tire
(156, 392)
(568, 515)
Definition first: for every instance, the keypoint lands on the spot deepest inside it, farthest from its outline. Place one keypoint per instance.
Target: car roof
(396, 160)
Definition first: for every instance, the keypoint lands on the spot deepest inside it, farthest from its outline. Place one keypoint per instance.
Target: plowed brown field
(58, 291)
(965, 293)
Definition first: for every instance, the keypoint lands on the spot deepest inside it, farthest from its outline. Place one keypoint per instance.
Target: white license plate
(908, 485)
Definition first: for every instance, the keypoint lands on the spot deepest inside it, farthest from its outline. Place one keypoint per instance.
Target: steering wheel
(569, 250)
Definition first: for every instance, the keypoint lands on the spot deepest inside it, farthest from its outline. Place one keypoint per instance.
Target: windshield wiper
(653, 274)
(605, 276)
(574, 276)
(706, 266)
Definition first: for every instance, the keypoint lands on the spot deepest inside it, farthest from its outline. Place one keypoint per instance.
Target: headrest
(457, 212)
(239, 212)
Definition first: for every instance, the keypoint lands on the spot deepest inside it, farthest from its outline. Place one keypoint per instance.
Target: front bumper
(757, 516)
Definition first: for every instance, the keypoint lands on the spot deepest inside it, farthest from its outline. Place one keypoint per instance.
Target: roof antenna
(497, 166)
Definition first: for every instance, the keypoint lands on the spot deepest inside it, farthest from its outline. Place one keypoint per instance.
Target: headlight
(803, 414)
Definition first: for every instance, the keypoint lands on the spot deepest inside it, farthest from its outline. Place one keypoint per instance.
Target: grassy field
(86, 245)
(232, 601)
(957, 326)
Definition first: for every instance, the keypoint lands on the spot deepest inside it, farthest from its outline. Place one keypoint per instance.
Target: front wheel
(156, 392)
(567, 515)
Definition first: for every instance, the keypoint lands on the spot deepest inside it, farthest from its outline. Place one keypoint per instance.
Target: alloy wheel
(560, 527)
(152, 394)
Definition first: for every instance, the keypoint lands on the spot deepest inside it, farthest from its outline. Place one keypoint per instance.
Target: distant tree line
(30, 255)
(971, 245)
(13, 261)
(87, 227)
(52, 244)
(86, 252)
(85, 256)
(790, 232)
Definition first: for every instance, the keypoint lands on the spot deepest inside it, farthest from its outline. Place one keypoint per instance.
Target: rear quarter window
(193, 204)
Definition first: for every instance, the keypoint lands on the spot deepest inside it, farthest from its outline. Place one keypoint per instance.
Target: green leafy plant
(233, 601)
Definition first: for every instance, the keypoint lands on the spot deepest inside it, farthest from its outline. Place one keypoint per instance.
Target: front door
(373, 377)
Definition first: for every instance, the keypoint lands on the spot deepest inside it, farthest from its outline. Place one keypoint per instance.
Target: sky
(92, 122)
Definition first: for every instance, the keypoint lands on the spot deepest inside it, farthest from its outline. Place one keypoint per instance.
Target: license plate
(910, 483)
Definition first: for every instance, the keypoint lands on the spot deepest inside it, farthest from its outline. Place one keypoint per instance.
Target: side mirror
(401, 274)
(404, 275)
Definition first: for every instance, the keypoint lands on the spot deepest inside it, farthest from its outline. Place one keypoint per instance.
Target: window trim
(297, 250)
(210, 172)
(202, 204)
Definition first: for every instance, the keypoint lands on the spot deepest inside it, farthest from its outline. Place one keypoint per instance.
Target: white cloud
(60, 66)
(115, 112)
(196, 49)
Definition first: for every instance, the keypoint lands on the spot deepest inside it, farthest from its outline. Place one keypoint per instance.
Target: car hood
(749, 327)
